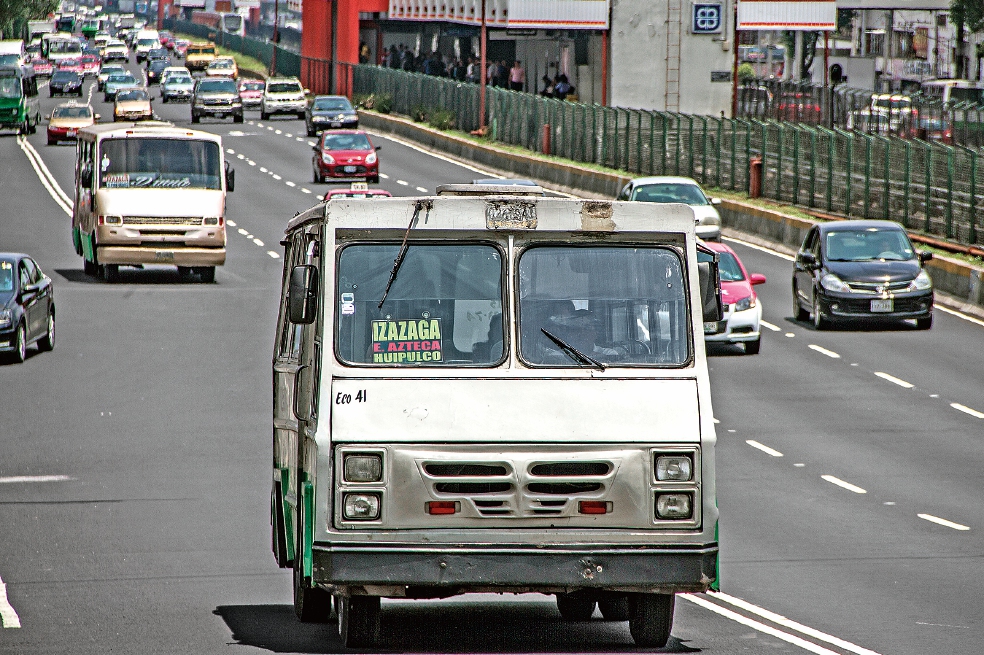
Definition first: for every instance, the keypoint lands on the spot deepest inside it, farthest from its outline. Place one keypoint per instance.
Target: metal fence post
(949, 192)
(929, 185)
(906, 183)
(973, 197)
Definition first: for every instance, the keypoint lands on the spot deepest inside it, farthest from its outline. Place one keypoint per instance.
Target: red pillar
(316, 40)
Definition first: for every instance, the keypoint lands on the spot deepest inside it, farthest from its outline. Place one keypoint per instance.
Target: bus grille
(162, 220)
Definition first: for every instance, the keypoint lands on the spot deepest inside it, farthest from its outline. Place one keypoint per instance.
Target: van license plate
(881, 305)
(164, 255)
(710, 328)
(72, 132)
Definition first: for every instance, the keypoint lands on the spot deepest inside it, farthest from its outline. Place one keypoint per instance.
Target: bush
(360, 100)
(441, 119)
(419, 113)
(384, 103)
(745, 73)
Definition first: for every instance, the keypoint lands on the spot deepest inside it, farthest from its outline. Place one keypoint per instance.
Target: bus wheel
(206, 273)
(111, 272)
(614, 609)
(89, 268)
(651, 619)
(312, 605)
(358, 620)
(575, 608)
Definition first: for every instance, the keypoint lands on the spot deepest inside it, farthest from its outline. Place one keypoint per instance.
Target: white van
(144, 42)
(491, 391)
(12, 52)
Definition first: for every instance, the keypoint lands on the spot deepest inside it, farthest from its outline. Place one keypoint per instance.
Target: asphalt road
(135, 475)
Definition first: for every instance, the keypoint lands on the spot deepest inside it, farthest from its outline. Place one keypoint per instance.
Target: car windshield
(72, 112)
(347, 142)
(284, 87)
(9, 60)
(10, 87)
(867, 245)
(182, 79)
(111, 70)
(729, 268)
(132, 94)
(444, 308)
(221, 63)
(64, 76)
(121, 78)
(688, 194)
(332, 104)
(216, 86)
(623, 306)
(160, 163)
(6, 275)
(252, 86)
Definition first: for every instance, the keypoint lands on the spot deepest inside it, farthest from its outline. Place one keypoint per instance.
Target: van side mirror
(303, 379)
(808, 259)
(230, 175)
(710, 291)
(925, 256)
(302, 294)
(86, 177)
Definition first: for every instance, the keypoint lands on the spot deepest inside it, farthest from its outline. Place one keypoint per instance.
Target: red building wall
(316, 40)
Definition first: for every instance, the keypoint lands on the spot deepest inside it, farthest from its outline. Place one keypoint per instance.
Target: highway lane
(792, 542)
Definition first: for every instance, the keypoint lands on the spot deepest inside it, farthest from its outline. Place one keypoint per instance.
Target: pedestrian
(517, 77)
(490, 73)
(548, 87)
(471, 71)
(503, 74)
(561, 87)
(393, 60)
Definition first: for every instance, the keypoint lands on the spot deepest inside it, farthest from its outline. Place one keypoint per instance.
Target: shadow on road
(144, 276)
(445, 627)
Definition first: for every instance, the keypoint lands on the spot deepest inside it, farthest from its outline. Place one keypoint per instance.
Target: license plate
(881, 305)
(710, 328)
(336, 124)
(349, 169)
(164, 255)
(72, 132)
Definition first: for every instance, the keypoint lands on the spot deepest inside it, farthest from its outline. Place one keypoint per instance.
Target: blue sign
(708, 18)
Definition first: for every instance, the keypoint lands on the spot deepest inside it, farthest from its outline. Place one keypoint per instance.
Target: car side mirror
(715, 201)
(925, 256)
(756, 278)
(379, 147)
(302, 294)
(808, 259)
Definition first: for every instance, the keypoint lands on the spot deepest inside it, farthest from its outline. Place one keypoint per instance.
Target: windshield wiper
(421, 204)
(573, 352)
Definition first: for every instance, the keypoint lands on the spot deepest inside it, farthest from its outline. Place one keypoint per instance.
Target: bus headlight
(674, 468)
(363, 468)
(674, 506)
(361, 507)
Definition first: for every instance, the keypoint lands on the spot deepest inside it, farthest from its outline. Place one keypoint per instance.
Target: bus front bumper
(181, 256)
(390, 570)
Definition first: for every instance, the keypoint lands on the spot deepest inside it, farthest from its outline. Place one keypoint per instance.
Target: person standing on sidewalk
(517, 77)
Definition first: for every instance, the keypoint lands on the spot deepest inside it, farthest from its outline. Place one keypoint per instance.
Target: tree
(967, 15)
(15, 13)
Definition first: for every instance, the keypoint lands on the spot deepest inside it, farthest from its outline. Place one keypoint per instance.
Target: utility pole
(276, 37)
(483, 77)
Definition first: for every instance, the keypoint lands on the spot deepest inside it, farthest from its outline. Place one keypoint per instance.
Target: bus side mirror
(230, 174)
(302, 294)
(710, 291)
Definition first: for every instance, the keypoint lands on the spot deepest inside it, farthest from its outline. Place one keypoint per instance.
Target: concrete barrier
(958, 284)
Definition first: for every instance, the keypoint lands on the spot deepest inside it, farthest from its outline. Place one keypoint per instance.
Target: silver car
(684, 190)
(177, 87)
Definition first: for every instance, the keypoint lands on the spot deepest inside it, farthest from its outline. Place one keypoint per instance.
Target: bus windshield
(10, 87)
(137, 163)
(65, 48)
(444, 307)
(601, 305)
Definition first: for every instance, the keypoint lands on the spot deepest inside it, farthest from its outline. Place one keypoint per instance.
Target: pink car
(251, 91)
(742, 308)
(42, 67)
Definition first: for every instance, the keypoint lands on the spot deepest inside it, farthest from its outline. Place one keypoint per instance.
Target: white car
(174, 70)
(283, 95)
(115, 51)
(684, 190)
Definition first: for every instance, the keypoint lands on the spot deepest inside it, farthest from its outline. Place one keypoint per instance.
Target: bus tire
(575, 608)
(185, 273)
(651, 619)
(312, 605)
(89, 268)
(614, 608)
(206, 273)
(111, 272)
(358, 620)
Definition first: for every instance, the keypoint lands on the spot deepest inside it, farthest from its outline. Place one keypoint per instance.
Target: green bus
(20, 108)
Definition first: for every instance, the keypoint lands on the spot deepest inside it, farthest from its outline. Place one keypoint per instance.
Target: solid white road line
(8, 616)
(770, 326)
(770, 251)
(765, 449)
(953, 312)
(967, 410)
(45, 176)
(844, 485)
(824, 351)
(894, 380)
(18, 479)
(788, 623)
(944, 522)
(756, 625)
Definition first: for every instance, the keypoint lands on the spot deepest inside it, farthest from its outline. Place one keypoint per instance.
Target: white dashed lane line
(231, 223)
(949, 524)
(290, 184)
(384, 176)
(403, 182)
(894, 380)
(765, 449)
(21, 479)
(276, 177)
(824, 351)
(421, 189)
(844, 485)
(274, 255)
(967, 410)
(770, 326)
(305, 190)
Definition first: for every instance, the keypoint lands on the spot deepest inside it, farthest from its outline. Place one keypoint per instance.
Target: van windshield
(620, 306)
(10, 87)
(138, 163)
(443, 309)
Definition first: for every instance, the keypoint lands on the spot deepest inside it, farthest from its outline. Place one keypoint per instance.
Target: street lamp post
(276, 36)
(483, 77)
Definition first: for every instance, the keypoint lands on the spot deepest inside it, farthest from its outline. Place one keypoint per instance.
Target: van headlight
(360, 507)
(922, 282)
(360, 467)
(674, 468)
(831, 282)
(674, 506)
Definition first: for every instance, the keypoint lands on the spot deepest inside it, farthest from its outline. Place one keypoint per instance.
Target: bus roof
(499, 213)
(145, 128)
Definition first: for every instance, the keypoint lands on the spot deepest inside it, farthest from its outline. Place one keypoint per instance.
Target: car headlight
(326, 158)
(5, 318)
(831, 282)
(745, 303)
(371, 158)
(674, 468)
(361, 507)
(922, 282)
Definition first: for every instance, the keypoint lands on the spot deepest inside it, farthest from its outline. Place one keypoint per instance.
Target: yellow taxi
(67, 119)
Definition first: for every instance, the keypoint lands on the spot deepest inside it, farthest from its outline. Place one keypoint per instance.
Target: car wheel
(924, 323)
(753, 347)
(47, 342)
(264, 116)
(651, 619)
(20, 346)
(164, 99)
(52, 142)
(238, 118)
(575, 608)
(195, 118)
(819, 322)
(799, 313)
(51, 93)
(614, 609)
(311, 132)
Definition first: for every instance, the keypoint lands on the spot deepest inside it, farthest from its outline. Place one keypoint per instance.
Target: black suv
(330, 112)
(218, 97)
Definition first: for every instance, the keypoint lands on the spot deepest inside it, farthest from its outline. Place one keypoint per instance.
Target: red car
(71, 65)
(42, 67)
(166, 39)
(346, 155)
(251, 91)
(90, 64)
